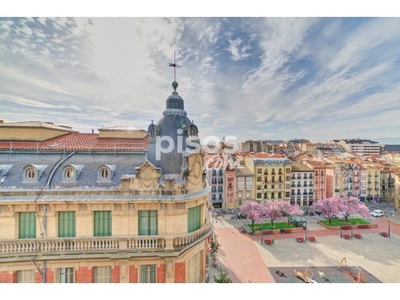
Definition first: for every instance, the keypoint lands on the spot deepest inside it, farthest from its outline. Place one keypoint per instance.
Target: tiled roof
(79, 142)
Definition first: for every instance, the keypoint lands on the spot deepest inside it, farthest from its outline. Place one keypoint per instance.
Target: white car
(377, 213)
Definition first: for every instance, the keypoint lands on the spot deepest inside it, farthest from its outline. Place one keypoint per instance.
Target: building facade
(362, 146)
(272, 177)
(302, 183)
(108, 207)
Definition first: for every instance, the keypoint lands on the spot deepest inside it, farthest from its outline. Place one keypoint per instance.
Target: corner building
(103, 208)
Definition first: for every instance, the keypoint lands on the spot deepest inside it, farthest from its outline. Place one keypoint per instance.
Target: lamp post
(390, 213)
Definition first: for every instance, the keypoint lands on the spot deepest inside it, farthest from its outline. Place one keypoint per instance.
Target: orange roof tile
(76, 141)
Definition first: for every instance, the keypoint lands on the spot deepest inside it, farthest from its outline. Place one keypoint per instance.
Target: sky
(248, 77)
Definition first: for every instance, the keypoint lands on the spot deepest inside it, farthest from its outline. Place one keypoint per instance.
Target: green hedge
(341, 222)
(267, 226)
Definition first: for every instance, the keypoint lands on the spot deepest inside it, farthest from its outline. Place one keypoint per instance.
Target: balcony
(102, 245)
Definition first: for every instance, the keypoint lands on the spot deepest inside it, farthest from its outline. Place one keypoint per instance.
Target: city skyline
(253, 78)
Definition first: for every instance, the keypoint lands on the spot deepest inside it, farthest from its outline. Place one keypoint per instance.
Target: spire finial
(174, 65)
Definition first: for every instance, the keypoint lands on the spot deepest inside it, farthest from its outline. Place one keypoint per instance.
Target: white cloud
(237, 52)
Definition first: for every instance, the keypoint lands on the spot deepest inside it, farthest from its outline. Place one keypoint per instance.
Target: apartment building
(98, 208)
(272, 177)
(302, 183)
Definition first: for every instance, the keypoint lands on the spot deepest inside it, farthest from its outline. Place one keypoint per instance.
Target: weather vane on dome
(174, 65)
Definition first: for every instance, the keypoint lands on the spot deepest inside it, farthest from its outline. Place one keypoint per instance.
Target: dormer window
(30, 173)
(33, 173)
(106, 172)
(71, 172)
(3, 172)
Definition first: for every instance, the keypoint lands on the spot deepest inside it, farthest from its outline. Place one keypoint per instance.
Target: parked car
(377, 213)
(242, 216)
(318, 212)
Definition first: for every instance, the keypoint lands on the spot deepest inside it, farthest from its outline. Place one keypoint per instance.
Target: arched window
(104, 173)
(30, 173)
(69, 173)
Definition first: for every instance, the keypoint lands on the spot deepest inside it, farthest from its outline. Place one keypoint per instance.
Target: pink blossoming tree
(329, 207)
(253, 211)
(351, 205)
(288, 210)
(272, 210)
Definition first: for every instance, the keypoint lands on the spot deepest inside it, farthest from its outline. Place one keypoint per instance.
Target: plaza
(249, 261)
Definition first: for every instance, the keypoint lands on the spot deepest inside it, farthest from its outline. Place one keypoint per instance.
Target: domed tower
(167, 146)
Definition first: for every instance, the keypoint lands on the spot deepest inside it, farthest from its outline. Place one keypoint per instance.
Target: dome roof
(175, 102)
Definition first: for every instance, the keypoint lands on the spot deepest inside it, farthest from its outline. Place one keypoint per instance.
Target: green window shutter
(194, 222)
(27, 225)
(148, 222)
(102, 223)
(66, 224)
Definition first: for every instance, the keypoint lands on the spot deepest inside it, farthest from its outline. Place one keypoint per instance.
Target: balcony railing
(61, 246)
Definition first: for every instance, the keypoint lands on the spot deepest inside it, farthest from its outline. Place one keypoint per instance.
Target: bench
(269, 242)
(357, 236)
(345, 227)
(347, 236)
(300, 240)
(363, 226)
(385, 234)
(312, 239)
(287, 230)
(267, 232)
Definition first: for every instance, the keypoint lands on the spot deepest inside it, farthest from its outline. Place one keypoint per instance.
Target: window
(259, 195)
(104, 173)
(148, 222)
(65, 275)
(102, 274)
(30, 173)
(194, 268)
(66, 224)
(102, 223)
(148, 274)
(287, 194)
(194, 215)
(26, 276)
(69, 173)
(27, 225)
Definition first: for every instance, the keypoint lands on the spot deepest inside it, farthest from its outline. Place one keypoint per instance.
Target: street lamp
(390, 213)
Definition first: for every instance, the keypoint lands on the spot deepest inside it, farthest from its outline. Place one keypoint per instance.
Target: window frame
(194, 218)
(28, 229)
(26, 276)
(152, 229)
(102, 218)
(149, 272)
(30, 174)
(65, 274)
(102, 274)
(66, 217)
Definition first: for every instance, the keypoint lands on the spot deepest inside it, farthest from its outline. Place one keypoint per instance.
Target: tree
(289, 210)
(351, 205)
(253, 211)
(214, 247)
(272, 210)
(328, 207)
(223, 276)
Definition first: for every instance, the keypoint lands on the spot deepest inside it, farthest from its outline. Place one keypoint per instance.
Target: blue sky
(253, 78)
